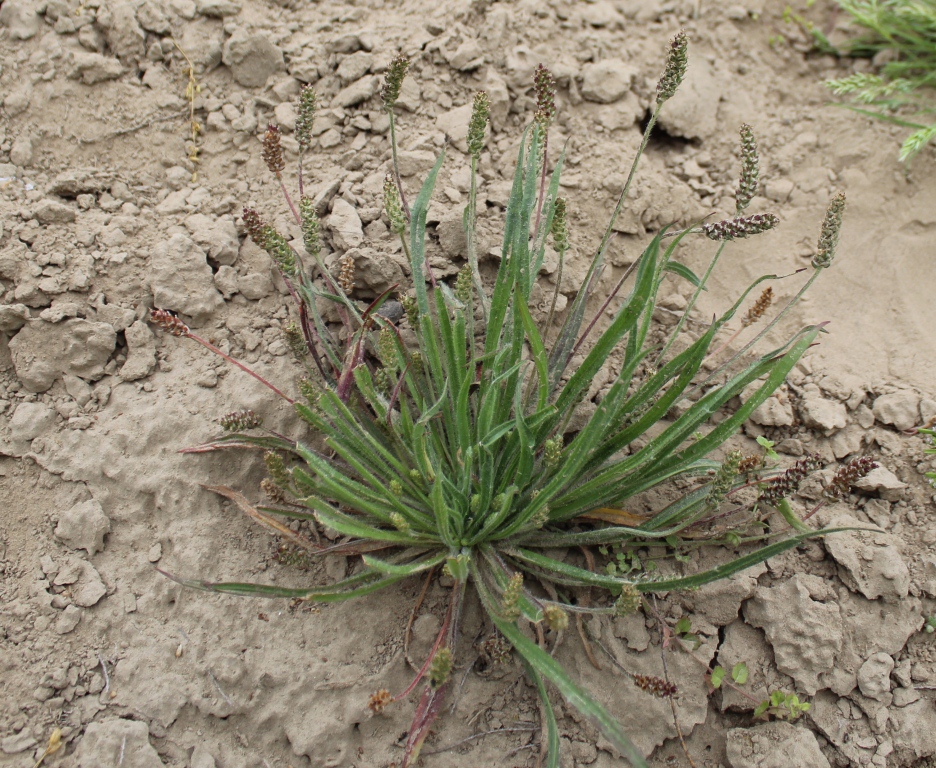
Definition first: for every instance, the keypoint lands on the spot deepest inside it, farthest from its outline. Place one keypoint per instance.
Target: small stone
(885, 482)
(225, 280)
(84, 527)
(52, 212)
(94, 68)
(607, 81)
(819, 413)
(773, 413)
(467, 56)
(13, 317)
(454, 124)
(21, 153)
(21, 18)
(202, 758)
(899, 409)
(141, 355)
(874, 676)
(356, 93)
(905, 696)
(354, 67)
(416, 162)
(43, 351)
(345, 225)
(219, 9)
(252, 58)
(181, 279)
(28, 422)
(68, 619)
(779, 190)
(254, 286)
(155, 553)
(217, 237)
(870, 563)
(13, 745)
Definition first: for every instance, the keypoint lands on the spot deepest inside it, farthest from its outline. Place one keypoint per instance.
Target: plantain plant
(445, 448)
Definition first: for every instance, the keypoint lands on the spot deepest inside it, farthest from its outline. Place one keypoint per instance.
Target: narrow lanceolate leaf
(552, 730)
(404, 569)
(734, 566)
(549, 668)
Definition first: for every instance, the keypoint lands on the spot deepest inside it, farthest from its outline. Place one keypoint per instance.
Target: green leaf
(739, 673)
(683, 271)
(718, 674)
(683, 626)
(552, 730)
(549, 668)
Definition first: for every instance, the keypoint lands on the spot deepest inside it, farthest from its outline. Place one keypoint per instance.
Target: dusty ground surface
(101, 219)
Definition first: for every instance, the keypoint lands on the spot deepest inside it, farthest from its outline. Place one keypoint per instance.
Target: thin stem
(542, 191)
(630, 178)
(692, 301)
(211, 347)
(396, 165)
(289, 201)
(760, 335)
(472, 240)
(604, 306)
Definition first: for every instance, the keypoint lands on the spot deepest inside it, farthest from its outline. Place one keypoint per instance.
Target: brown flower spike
(168, 322)
(272, 152)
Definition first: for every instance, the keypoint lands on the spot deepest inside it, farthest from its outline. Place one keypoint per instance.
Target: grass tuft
(443, 444)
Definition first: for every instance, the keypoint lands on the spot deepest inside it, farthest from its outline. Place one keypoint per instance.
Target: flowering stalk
(170, 323)
(389, 93)
(480, 114)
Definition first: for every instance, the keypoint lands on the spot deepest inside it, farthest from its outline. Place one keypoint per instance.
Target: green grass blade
(407, 569)
(549, 668)
(549, 716)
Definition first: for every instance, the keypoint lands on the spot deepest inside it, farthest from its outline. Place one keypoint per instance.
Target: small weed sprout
(450, 452)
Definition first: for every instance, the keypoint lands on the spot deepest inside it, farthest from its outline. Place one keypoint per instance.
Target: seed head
(305, 116)
(497, 648)
(239, 421)
(346, 275)
(747, 185)
(309, 391)
(311, 238)
(295, 340)
(750, 464)
(396, 488)
(552, 451)
(788, 482)
(169, 322)
(277, 468)
(386, 348)
(848, 475)
(441, 668)
(510, 602)
(724, 479)
(411, 308)
(829, 235)
(628, 602)
(273, 491)
(392, 204)
(675, 70)
(272, 152)
(544, 87)
(379, 701)
(742, 226)
(560, 227)
(463, 285)
(399, 522)
(393, 80)
(255, 226)
(556, 618)
(656, 686)
(480, 113)
(757, 311)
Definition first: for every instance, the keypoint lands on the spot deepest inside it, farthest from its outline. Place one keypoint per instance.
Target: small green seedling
(783, 706)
